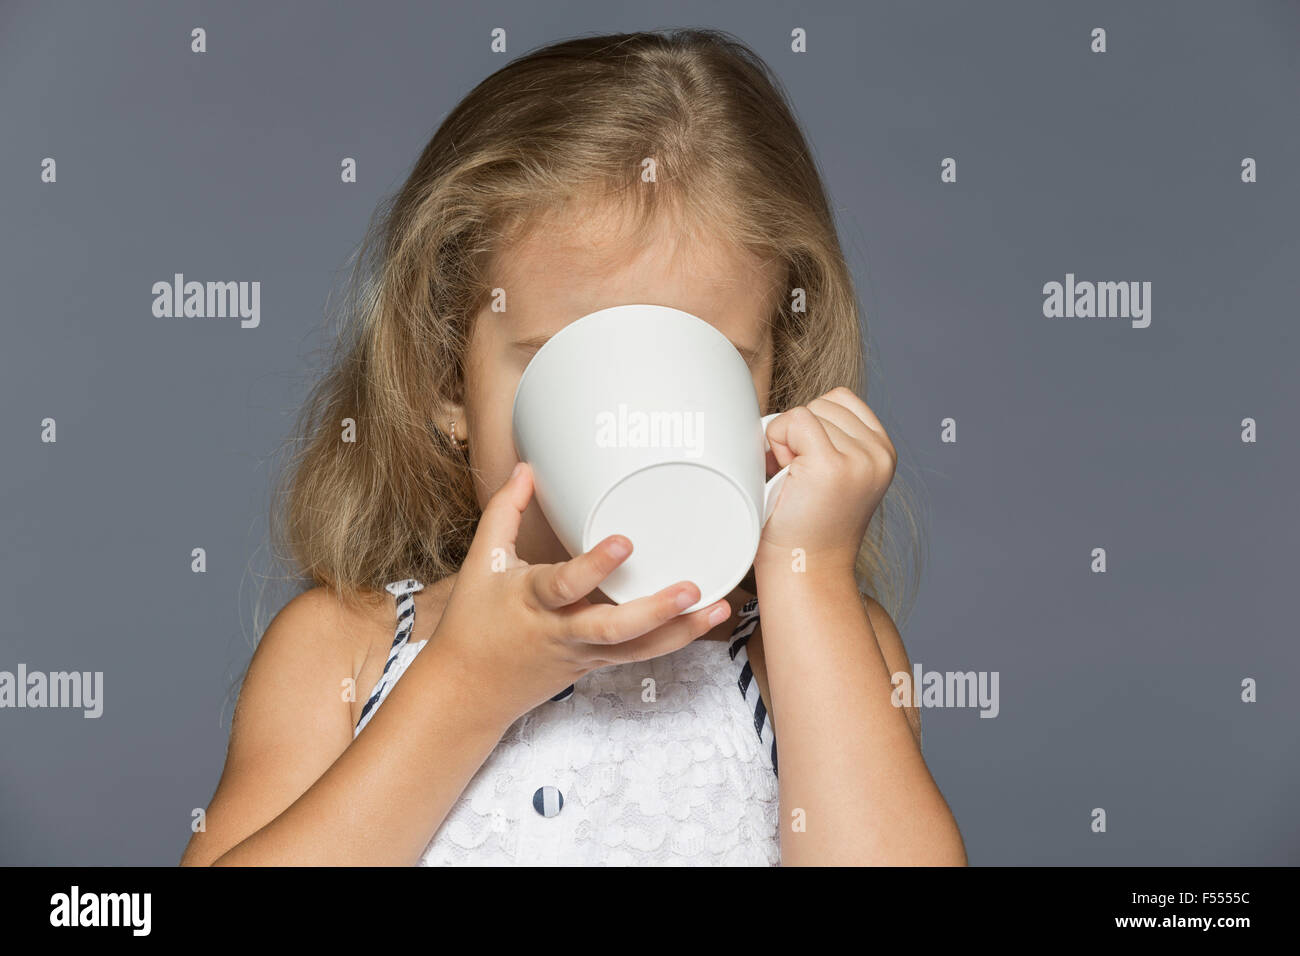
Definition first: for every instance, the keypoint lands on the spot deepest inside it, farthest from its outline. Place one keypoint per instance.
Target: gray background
(1118, 690)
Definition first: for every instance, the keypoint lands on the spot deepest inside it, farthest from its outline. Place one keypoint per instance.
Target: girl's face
(558, 274)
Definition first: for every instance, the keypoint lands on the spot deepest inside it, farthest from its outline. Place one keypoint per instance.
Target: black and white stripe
(748, 686)
(403, 591)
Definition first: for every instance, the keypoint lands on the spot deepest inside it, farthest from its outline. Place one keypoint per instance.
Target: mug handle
(773, 487)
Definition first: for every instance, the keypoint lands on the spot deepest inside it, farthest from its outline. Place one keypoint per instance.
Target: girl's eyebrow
(537, 341)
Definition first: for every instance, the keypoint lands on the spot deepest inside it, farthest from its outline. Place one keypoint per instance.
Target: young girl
(455, 688)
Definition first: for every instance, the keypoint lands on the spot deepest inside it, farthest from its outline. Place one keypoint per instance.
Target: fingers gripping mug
(642, 420)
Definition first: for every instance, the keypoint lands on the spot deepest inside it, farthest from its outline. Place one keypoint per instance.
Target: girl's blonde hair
(560, 124)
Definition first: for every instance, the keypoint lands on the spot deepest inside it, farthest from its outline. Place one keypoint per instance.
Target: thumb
(499, 525)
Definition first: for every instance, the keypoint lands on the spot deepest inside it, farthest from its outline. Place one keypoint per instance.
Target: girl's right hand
(522, 633)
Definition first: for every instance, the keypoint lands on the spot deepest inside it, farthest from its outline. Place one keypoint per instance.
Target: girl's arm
(850, 759)
(854, 788)
(298, 790)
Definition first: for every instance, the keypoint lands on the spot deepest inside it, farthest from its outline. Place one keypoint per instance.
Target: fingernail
(620, 548)
(717, 615)
(684, 599)
(515, 474)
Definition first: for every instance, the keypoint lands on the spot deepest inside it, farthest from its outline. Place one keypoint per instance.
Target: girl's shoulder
(366, 628)
(318, 633)
(336, 628)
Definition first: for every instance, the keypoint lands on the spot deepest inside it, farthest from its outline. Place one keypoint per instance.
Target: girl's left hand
(841, 461)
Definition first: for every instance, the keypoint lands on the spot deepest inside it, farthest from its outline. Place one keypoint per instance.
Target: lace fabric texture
(658, 763)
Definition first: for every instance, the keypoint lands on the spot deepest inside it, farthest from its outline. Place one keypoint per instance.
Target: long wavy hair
(568, 121)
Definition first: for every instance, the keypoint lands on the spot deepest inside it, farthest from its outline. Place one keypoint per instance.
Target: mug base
(686, 522)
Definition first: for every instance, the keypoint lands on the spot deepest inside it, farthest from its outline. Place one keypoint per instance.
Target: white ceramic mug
(642, 420)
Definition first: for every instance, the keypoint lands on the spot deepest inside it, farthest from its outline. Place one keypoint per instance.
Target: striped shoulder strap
(748, 685)
(403, 591)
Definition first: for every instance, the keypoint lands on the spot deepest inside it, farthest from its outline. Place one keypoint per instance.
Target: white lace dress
(666, 762)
